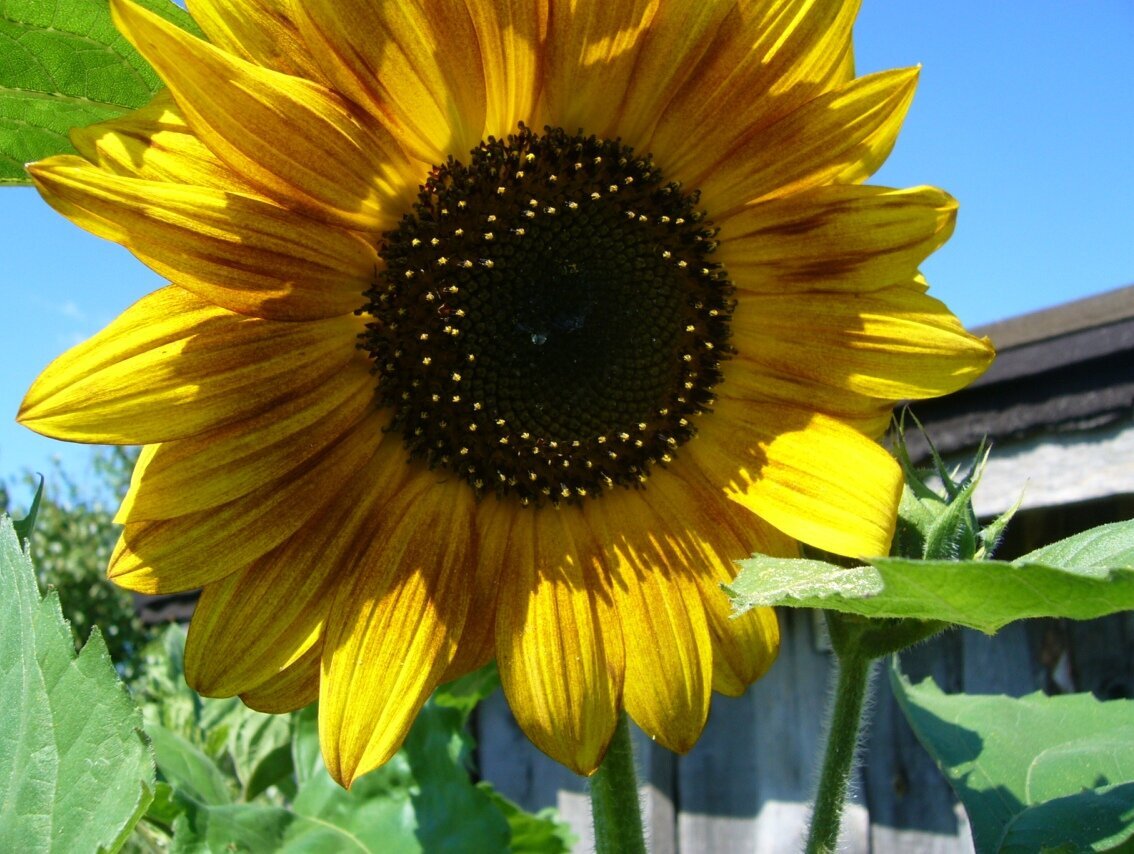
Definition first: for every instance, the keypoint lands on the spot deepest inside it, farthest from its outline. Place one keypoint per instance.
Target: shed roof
(1064, 369)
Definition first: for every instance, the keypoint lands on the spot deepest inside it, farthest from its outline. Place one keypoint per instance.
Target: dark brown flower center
(548, 324)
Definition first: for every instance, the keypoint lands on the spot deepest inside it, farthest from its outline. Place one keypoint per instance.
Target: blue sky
(1024, 112)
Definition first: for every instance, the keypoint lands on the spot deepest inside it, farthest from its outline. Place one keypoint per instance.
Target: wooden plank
(911, 805)
(516, 768)
(747, 783)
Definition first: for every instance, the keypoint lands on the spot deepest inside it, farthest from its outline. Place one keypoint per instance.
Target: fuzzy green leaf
(76, 772)
(64, 65)
(1085, 576)
(1034, 773)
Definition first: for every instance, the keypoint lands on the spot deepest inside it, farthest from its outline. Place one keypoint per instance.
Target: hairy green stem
(614, 798)
(854, 670)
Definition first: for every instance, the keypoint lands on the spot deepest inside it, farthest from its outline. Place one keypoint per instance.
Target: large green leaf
(1034, 773)
(64, 65)
(1085, 576)
(76, 772)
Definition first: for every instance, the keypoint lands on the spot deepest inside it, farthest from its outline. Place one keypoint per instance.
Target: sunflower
(499, 330)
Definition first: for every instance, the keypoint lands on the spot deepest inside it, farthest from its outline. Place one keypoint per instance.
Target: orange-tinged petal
(766, 59)
(592, 49)
(669, 654)
(816, 479)
(511, 37)
(835, 238)
(893, 343)
(173, 352)
(191, 551)
(748, 381)
(220, 465)
(251, 625)
(558, 641)
(395, 624)
(841, 136)
(292, 688)
(335, 165)
(260, 31)
(243, 252)
(477, 647)
(414, 64)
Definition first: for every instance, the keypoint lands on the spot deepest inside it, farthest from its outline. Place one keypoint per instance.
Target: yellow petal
(893, 343)
(292, 688)
(766, 59)
(200, 549)
(335, 165)
(840, 136)
(558, 643)
(591, 53)
(243, 252)
(221, 465)
(671, 51)
(260, 31)
(155, 144)
(835, 238)
(251, 625)
(669, 654)
(173, 353)
(813, 477)
(413, 64)
(511, 37)
(716, 532)
(395, 623)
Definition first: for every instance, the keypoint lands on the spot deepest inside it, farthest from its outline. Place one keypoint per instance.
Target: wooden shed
(1057, 406)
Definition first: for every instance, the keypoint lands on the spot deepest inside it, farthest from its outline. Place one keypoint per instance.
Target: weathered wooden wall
(745, 786)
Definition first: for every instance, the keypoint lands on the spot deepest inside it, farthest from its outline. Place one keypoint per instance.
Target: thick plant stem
(838, 761)
(614, 798)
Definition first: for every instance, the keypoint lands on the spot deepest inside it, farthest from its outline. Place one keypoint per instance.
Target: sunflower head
(548, 323)
(499, 330)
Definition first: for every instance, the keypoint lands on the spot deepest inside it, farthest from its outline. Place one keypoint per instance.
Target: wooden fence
(745, 786)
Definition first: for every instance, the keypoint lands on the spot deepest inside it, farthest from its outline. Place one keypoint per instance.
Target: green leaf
(1085, 576)
(1099, 819)
(64, 65)
(421, 800)
(255, 827)
(541, 833)
(436, 748)
(1032, 772)
(1105, 546)
(76, 772)
(188, 768)
(25, 526)
(260, 746)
